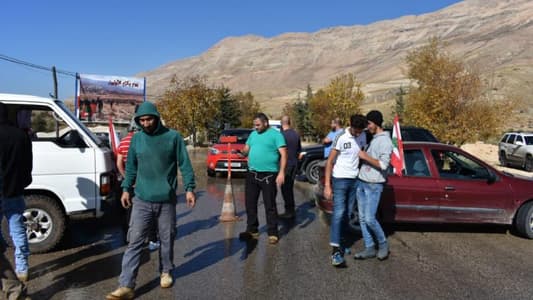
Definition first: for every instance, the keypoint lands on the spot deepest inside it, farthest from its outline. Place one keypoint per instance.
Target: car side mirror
(519, 143)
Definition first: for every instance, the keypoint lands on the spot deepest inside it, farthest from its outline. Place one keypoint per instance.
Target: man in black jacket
(15, 174)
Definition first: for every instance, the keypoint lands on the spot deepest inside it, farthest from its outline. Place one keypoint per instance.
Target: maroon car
(444, 184)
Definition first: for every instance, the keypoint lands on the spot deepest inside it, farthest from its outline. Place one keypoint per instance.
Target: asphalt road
(426, 262)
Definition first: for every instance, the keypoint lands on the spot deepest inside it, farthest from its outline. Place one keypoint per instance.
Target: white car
(73, 171)
(516, 149)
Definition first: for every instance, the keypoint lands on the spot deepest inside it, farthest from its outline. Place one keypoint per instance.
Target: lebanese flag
(397, 151)
(113, 137)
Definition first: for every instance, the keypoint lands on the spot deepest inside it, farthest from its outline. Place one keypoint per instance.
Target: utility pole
(54, 74)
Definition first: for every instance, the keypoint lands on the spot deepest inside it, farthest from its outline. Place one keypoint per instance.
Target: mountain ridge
(491, 35)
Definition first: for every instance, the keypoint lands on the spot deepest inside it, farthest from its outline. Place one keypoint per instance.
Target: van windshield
(91, 135)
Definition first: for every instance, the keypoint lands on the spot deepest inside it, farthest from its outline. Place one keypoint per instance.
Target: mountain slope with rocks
(492, 35)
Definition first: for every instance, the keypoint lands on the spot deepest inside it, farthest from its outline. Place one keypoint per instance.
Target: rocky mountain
(494, 35)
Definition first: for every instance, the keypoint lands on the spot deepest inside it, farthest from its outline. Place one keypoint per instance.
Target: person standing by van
(154, 156)
(122, 158)
(16, 163)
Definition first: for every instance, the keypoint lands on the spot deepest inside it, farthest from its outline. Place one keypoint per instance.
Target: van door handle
(449, 188)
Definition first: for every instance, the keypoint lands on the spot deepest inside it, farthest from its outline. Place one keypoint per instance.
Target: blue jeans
(344, 191)
(143, 215)
(12, 209)
(368, 196)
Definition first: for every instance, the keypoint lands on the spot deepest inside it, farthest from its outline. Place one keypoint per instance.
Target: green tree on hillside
(446, 97)
(228, 113)
(188, 104)
(248, 107)
(340, 99)
(399, 103)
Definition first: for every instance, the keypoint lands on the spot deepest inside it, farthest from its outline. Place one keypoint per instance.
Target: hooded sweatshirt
(153, 160)
(16, 160)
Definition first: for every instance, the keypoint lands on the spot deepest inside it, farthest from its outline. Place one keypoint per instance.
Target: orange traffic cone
(228, 206)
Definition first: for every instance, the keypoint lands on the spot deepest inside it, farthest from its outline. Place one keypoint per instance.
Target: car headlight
(213, 151)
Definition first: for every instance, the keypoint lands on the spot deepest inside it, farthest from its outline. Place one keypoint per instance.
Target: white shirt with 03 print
(347, 160)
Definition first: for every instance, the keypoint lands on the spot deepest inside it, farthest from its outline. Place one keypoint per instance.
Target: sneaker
(367, 253)
(23, 276)
(337, 259)
(287, 215)
(248, 235)
(272, 239)
(152, 246)
(383, 251)
(166, 280)
(122, 293)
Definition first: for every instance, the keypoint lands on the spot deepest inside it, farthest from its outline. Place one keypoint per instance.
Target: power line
(35, 66)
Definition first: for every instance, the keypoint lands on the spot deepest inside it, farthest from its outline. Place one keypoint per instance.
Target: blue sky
(127, 37)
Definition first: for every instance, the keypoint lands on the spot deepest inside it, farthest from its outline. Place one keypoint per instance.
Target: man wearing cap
(153, 158)
(371, 179)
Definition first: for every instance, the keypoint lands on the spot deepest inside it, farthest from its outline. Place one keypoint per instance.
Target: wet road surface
(426, 262)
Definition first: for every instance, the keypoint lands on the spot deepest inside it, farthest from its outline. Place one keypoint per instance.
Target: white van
(73, 171)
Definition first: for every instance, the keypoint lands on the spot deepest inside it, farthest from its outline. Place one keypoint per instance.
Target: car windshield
(242, 135)
(529, 139)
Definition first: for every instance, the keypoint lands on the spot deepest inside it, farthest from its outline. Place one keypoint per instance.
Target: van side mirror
(519, 143)
(71, 139)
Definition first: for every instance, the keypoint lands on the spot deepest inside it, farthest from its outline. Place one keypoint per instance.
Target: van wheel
(44, 221)
(311, 171)
(528, 166)
(524, 220)
(211, 173)
(503, 159)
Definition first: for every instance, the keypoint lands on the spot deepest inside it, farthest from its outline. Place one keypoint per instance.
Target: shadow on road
(82, 276)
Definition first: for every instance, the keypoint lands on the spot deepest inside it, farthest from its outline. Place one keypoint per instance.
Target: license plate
(234, 165)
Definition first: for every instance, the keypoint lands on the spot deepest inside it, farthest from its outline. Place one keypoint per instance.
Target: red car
(218, 155)
(444, 184)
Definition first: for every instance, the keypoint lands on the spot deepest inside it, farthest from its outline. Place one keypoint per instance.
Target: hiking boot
(287, 215)
(383, 251)
(337, 259)
(248, 235)
(166, 280)
(272, 239)
(23, 276)
(367, 253)
(122, 293)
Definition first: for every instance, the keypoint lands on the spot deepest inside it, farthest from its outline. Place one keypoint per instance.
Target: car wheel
(211, 173)
(528, 166)
(311, 171)
(45, 223)
(524, 220)
(503, 159)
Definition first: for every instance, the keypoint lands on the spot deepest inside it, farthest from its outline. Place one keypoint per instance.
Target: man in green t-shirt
(267, 159)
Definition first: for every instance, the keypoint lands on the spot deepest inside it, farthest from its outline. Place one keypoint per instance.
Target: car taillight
(105, 184)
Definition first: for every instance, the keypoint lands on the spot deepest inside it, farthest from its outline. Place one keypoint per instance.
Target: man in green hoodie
(153, 158)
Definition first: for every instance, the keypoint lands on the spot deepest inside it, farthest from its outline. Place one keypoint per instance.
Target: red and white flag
(397, 151)
(113, 137)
